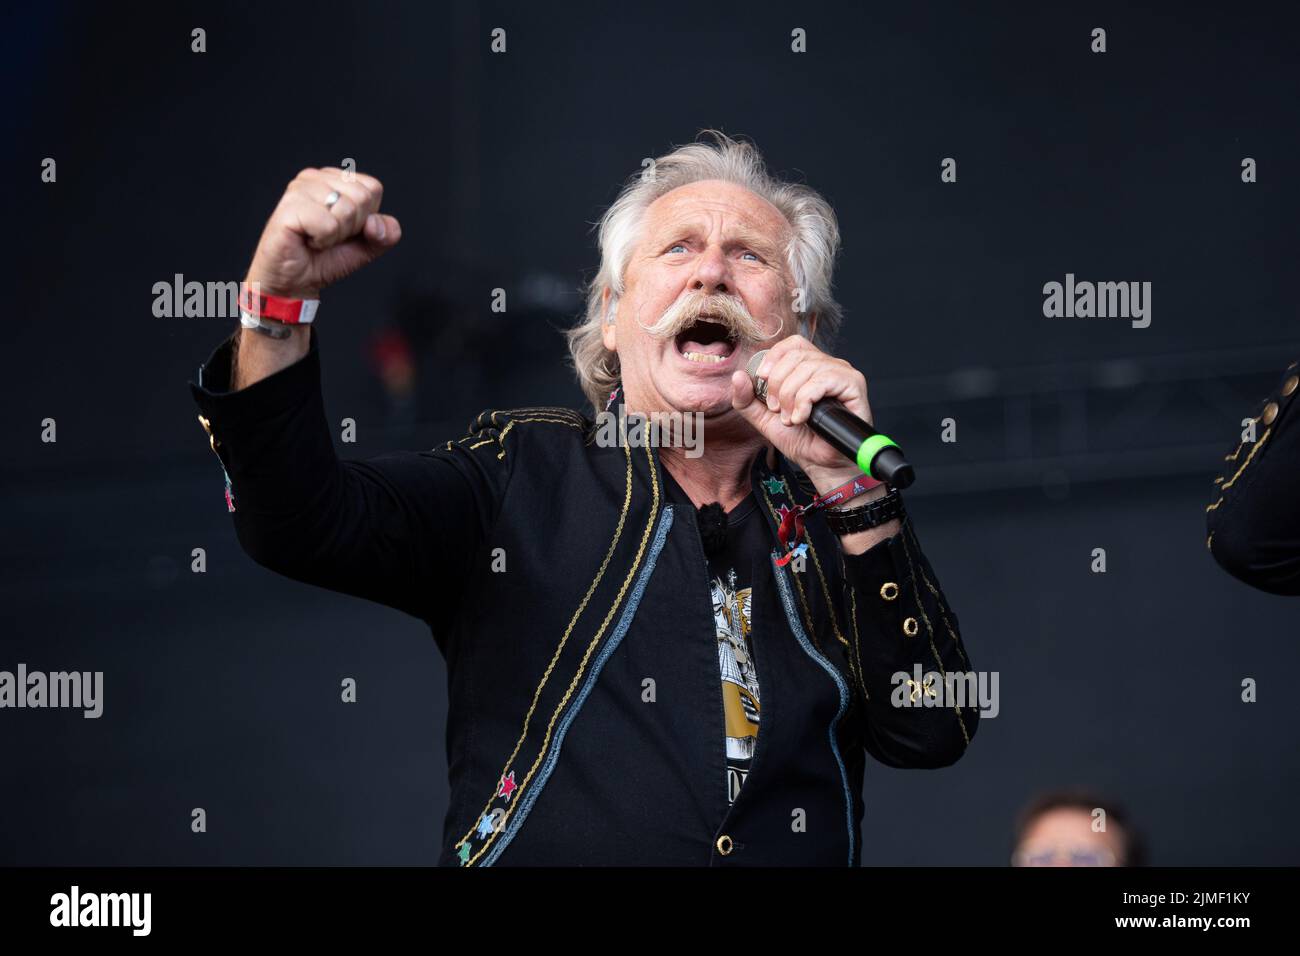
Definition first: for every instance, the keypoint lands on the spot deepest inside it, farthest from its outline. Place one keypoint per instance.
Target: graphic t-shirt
(729, 574)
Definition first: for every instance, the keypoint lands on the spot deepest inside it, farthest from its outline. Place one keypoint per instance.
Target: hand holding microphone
(794, 383)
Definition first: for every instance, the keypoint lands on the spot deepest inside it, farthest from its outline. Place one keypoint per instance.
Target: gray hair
(810, 253)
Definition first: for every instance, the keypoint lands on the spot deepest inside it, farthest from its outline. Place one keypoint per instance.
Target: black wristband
(871, 515)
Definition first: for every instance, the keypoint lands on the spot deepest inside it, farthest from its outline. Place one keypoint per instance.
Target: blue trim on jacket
(611, 645)
(787, 602)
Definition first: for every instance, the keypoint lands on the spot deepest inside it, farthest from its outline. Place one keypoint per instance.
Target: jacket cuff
(893, 581)
(263, 399)
(883, 563)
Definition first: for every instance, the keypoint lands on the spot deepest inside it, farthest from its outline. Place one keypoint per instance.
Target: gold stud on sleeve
(889, 590)
(910, 627)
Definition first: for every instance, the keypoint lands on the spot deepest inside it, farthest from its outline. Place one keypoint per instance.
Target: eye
(676, 246)
(750, 252)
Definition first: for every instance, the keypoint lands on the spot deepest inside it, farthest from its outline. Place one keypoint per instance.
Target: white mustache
(726, 310)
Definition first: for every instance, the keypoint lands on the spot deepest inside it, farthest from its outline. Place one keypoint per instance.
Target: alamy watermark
(652, 430)
(79, 690)
(953, 689)
(1101, 300)
(179, 299)
(75, 908)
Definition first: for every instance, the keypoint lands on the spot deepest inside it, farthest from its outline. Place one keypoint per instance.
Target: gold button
(889, 590)
(1270, 413)
(1289, 385)
(910, 627)
(724, 844)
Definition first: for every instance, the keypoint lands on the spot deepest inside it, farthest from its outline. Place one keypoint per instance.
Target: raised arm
(400, 529)
(326, 226)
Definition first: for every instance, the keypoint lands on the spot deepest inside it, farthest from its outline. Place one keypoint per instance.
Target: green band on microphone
(870, 448)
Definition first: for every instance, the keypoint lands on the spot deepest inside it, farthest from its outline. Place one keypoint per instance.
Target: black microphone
(877, 455)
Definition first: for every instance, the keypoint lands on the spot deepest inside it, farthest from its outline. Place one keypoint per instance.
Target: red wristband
(850, 489)
(791, 530)
(288, 311)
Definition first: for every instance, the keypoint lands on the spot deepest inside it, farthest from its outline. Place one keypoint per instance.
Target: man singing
(655, 656)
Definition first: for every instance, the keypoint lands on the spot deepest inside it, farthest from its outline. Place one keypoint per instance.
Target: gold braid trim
(604, 565)
(582, 666)
(929, 630)
(501, 439)
(1228, 484)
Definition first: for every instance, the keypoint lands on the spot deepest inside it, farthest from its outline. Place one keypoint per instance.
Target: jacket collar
(780, 479)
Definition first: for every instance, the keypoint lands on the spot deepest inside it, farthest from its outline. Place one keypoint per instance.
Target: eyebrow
(745, 237)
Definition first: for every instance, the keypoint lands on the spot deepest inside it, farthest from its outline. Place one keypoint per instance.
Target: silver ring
(331, 199)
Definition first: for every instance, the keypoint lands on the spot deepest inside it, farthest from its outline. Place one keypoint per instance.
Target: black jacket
(585, 718)
(1253, 519)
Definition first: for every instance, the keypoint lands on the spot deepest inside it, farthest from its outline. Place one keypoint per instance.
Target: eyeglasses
(1063, 856)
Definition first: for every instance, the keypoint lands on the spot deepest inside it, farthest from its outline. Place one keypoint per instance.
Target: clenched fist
(307, 245)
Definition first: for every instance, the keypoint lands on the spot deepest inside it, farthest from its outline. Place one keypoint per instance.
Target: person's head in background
(1075, 828)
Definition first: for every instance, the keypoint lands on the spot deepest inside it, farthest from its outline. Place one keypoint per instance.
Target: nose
(712, 275)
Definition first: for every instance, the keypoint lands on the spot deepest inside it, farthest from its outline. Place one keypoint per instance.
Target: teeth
(703, 357)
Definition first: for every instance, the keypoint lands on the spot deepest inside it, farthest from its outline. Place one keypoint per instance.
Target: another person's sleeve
(1253, 521)
(400, 529)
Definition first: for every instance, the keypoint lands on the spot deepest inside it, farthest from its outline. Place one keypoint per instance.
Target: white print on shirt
(740, 702)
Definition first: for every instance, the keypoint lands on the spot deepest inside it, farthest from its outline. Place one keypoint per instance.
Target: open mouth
(706, 342)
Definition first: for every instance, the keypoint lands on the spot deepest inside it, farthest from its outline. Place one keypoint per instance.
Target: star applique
(485, 826)
(798, 551)
(774, 485)
(463, 853)
(508, 785)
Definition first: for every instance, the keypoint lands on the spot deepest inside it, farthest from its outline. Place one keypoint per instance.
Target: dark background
(222, 689)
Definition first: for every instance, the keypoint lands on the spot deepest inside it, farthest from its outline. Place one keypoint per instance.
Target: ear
(608, 309)
(812, 327)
